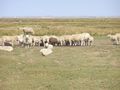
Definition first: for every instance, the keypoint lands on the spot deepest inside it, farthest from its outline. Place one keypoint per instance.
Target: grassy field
(94, 67)
(94, 26)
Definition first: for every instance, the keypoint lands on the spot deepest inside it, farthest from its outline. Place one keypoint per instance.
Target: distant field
(94, 67)
(95, 26)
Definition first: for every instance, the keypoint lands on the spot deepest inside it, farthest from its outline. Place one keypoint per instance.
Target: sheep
(77, 39)
(48, 46)
(10, 39)
(47, 50)
(27, 40)
(113, 38)
(118, 37)
(53, 41)
(85, 37)
(68, 39)
(36, 40)
(6, 48)
(91, 40)
(45, 39)
(27, 30)
(61, 40)
(20, 39)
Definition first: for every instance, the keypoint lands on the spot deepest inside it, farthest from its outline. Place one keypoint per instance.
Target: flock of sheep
(27, 39)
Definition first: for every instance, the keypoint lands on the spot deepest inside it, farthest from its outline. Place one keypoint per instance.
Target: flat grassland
(94, 26)
(94, 67)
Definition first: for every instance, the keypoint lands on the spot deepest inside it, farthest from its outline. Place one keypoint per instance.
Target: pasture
(94, 67)
(61, 26)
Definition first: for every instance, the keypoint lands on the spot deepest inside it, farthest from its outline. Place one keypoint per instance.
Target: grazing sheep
(85, 37)
(10, 39)
(6, 48)
(27, 30)
(118, 37)
(91, 40)
(113, 38)
(77, 39)
(61, 41)
(68, 39)
(36, 40)
(7, 44)
(53, 41)
(45, 39)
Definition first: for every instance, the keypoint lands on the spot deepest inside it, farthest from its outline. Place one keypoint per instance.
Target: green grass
(68, 68)
(94, 26)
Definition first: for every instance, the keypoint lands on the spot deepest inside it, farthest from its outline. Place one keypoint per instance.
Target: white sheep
(27, 30)
(47, 50)
(6, 48)
(76, 38)
(91, 40)
(85, 37)
(10, 39)
(61, 40)
(48, 46)
(68, 39)
(113, 38)
(118, 37)
(36, 40)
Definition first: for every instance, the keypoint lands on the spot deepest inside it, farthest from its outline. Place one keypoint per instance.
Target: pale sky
(14, 8)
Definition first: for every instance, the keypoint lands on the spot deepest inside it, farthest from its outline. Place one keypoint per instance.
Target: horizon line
(50, 17)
